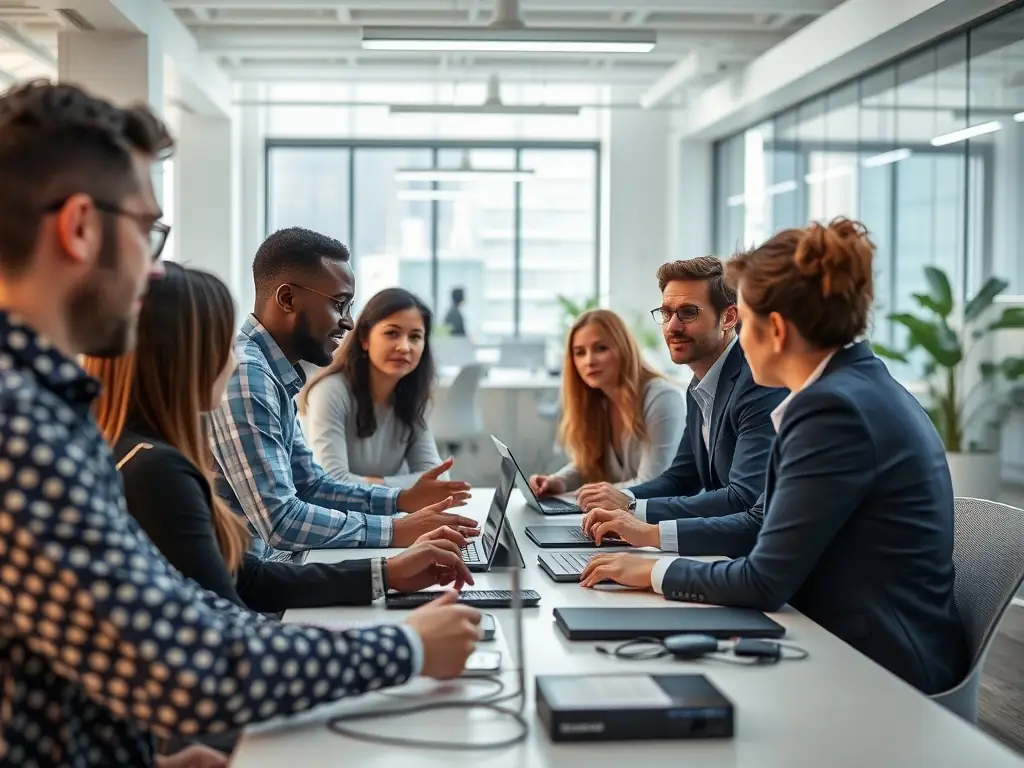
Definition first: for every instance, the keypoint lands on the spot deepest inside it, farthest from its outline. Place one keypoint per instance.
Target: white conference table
(835, 709)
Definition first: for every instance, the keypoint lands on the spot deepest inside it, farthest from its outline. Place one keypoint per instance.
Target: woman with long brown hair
(621, 420)
(365, 414)
(151, 411)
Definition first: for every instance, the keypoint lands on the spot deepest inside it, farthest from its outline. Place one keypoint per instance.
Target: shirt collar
(21, 346)
(709, 384)
(780, 409)
(291, 376)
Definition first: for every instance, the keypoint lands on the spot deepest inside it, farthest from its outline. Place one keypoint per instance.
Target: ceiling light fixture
(508, 33)
(465, 172)
(1019, 117)
(886, 158)
(966, 133)
(492, 105)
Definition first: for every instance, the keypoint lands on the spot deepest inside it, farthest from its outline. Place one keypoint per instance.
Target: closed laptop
(631, 623)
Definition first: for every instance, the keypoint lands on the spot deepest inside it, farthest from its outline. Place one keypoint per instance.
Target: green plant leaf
(888, 353)
(1012, 317)
(983, 299)
(929, 303)
(988, 370)
(1012, 368)
(939, 291)
(936, 338)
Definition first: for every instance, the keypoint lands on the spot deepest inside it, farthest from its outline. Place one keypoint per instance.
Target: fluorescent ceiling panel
(516, 40)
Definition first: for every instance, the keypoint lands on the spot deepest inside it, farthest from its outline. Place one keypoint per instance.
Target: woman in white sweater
(364, 414)
(621, 420)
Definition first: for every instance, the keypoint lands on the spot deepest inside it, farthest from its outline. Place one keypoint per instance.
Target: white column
(123, 67)
(638, 202)
(250, 173)
(203, 224)
(691, 209)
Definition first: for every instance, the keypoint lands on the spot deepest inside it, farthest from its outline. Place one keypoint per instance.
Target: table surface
(836, 708)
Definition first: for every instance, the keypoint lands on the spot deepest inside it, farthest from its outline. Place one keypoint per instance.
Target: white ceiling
(267, 40)
(316, 40)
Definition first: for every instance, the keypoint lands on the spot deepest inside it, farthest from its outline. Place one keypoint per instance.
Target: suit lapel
(726, 384)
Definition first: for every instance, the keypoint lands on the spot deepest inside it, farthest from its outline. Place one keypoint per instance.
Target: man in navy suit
(855, 528)
(719, 468)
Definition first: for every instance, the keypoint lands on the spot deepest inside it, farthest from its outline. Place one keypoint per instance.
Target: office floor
(1002, 680)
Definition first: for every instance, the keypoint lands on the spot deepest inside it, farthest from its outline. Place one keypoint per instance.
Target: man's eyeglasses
(343, 308)
(156, 229)
(685, 314)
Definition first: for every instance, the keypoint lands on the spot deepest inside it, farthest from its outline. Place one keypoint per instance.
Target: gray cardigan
(391, 452)
(635, 462)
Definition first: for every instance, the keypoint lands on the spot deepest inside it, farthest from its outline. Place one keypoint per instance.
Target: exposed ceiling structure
(698, 41)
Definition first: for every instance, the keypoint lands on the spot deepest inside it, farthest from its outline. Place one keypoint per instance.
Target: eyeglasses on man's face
(687, 313)
(156, 230)
(342, 306)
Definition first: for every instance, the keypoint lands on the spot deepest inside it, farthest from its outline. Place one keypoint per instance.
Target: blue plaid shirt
(266, 472)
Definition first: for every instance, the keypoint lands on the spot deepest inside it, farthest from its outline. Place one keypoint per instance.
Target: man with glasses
(304, 291)
(720, 466)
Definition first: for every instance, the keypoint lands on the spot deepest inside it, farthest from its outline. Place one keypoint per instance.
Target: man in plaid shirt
(304, 292)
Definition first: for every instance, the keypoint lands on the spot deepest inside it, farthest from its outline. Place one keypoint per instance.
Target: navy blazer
(855, 528)
(741, 435)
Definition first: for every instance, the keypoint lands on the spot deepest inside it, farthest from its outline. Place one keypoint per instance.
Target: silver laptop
(546, 505)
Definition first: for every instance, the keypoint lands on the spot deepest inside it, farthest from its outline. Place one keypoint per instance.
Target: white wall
(638, 183)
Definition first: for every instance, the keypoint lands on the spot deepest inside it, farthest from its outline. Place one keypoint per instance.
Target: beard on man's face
(102, 309)
(307, 346)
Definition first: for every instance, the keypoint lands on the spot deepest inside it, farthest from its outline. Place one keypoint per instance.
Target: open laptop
(481, 553)
(565, 567)
(547, 505)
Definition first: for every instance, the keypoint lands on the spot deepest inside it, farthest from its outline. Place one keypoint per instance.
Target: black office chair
(988, 552)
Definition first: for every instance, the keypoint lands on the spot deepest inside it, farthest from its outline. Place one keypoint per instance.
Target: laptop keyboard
(559, 505)
(568, 562)
(471, 553)
(479, 598)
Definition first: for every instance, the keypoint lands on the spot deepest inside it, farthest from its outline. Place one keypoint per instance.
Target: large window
(927, 151)
(512, 224)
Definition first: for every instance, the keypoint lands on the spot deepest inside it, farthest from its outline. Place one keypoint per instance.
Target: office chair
(457, 419)
(988, 552)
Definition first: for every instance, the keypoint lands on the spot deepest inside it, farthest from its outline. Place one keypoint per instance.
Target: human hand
(449, 634)
(603, 495)
(196, 756)
(406, 530)
(625, 569)
(430, 490)
(547, 485)
(430, 561)
(604, 523)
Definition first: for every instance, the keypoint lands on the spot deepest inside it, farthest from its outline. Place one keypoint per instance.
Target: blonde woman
(622, 421)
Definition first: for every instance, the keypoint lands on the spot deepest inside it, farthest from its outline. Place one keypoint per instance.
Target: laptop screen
(499, 503)
(520, 478)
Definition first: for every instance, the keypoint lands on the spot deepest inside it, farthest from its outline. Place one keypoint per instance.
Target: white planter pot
(976, 475)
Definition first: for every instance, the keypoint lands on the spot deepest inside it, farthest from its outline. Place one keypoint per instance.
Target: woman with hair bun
(855, 527)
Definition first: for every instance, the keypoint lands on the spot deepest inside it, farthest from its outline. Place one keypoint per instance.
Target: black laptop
(548, 536)
(546, 505)
(631, 623)
(479, 553)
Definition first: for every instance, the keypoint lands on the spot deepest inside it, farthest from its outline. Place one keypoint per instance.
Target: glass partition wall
(927, 151)
(512, 224)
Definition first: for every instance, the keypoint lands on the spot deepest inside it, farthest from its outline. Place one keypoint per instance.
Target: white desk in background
(510, 401)
(836, 708)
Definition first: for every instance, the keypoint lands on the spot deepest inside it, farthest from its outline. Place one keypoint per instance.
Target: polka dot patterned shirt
(102, 643)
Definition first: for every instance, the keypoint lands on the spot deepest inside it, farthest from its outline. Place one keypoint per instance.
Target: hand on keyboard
(435, 558)
(607, 525)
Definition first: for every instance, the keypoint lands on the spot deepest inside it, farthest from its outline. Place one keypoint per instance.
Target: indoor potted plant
(946, 336)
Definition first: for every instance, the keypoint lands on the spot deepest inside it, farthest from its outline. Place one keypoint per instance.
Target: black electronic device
(546, 505)
(629, 707)
(496, 544)
(478, 598)
(564, 567)
(631, 623)
(548, 536)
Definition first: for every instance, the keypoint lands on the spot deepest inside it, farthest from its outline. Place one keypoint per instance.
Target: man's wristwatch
(632, 504)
